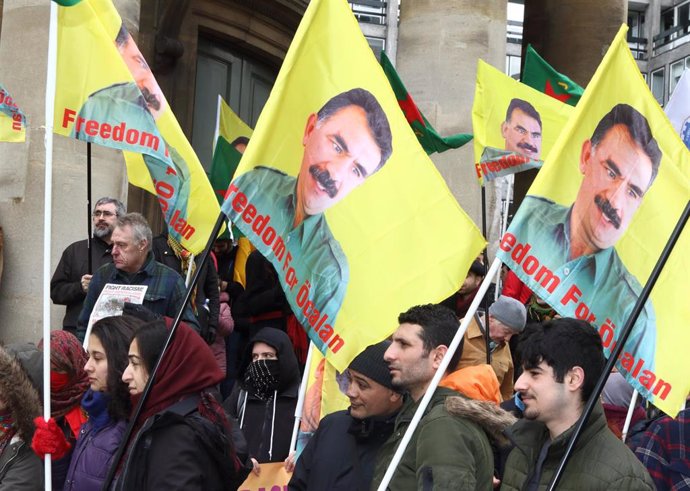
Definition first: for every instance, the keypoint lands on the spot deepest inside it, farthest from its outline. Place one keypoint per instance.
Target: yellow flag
(107, 94)
(514, 125)
(597, 217)
(323, 396)
(12, 119)
(335, 190)
(230, 125)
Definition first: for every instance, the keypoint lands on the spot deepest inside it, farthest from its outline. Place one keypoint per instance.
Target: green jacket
(600, 461)
(445, 452)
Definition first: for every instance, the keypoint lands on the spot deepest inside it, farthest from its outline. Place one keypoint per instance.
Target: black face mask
(261, 378)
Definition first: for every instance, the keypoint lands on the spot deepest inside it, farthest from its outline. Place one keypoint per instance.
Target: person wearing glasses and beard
(71, 278)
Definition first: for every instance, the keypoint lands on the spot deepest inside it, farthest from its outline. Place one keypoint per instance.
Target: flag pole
(216, 133)
(437, 377)
(47, 219)
(637, 309)
(628, 417)
(300, 398)
(149, 384)
(487, 340)
(88, 207)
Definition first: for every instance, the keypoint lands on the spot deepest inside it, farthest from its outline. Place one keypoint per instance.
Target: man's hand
(85, 280)
(256, 467)
(290, 462)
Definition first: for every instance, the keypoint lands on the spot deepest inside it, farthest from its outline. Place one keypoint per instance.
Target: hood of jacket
(488, 415)
(18, 392)
(289, 369)
(476, 382)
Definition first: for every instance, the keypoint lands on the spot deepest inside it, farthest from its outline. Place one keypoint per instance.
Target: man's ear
(504, 129)
(143, 245)
(311, 124)
(439, 353)
(394, 396)
(575, 378)
(585, 155)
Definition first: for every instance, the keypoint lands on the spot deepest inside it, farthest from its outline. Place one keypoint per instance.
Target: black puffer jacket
(342, 453)
(268, 435)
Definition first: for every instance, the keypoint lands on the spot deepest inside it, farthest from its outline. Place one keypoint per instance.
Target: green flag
(541, 76)
(232, 136)
(431, 141)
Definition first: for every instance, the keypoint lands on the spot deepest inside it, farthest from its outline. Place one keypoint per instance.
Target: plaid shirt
(665, 452)
(164, 295)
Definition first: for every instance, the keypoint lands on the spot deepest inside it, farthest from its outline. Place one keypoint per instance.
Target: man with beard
(619, 164)
(562, 360)
(345, 143)
(72, 276)
(522, 129)
(447, 451)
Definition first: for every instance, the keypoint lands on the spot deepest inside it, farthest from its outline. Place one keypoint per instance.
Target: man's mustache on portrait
(527, 147)
(608, 210)
(323, 177)
(151, 98)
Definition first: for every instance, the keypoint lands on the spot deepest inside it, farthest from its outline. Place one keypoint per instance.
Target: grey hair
(140, 227)
(120, 209)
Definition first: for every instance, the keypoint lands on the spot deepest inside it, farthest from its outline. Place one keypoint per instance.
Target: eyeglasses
(104, 213)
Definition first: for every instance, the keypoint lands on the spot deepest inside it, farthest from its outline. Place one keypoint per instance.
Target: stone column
(23, 55)
(439, 43)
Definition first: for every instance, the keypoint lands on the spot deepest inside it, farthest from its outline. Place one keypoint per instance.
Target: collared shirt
(164, 294)
(318, 262)
(665, 452)
(608, 289)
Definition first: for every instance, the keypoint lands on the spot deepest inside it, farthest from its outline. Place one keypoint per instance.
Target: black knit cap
(370, 363)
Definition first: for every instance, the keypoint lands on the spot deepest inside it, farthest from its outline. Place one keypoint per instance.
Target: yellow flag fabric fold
(12, 119)
(597, 217)
(107, 94)
(335, 190)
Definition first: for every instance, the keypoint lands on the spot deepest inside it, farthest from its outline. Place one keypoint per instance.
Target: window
(377, 45)
(513, 66)
(684, 15)
(636, 23)
(677, 70)
(657, 85)
(667, 20)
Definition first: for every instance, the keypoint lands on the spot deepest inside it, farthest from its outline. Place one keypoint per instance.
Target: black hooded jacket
(268, 435)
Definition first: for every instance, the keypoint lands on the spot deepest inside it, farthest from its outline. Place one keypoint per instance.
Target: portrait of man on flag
(514, 125)
(571, 248)
(522, 129)
(345, 143)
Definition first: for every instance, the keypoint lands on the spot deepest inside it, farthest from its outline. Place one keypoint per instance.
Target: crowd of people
(203, 408)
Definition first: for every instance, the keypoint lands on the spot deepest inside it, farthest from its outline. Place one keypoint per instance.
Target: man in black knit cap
(345, 446)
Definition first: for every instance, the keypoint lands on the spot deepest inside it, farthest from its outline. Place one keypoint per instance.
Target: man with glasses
(71, 279)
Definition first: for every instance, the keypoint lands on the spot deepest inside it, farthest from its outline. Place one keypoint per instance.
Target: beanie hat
(370, 363)
(478, 268)
(509, 312)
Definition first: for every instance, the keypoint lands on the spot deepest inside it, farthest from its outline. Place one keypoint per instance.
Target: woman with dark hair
(106, 402)
(181, 438)
(68, 382)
